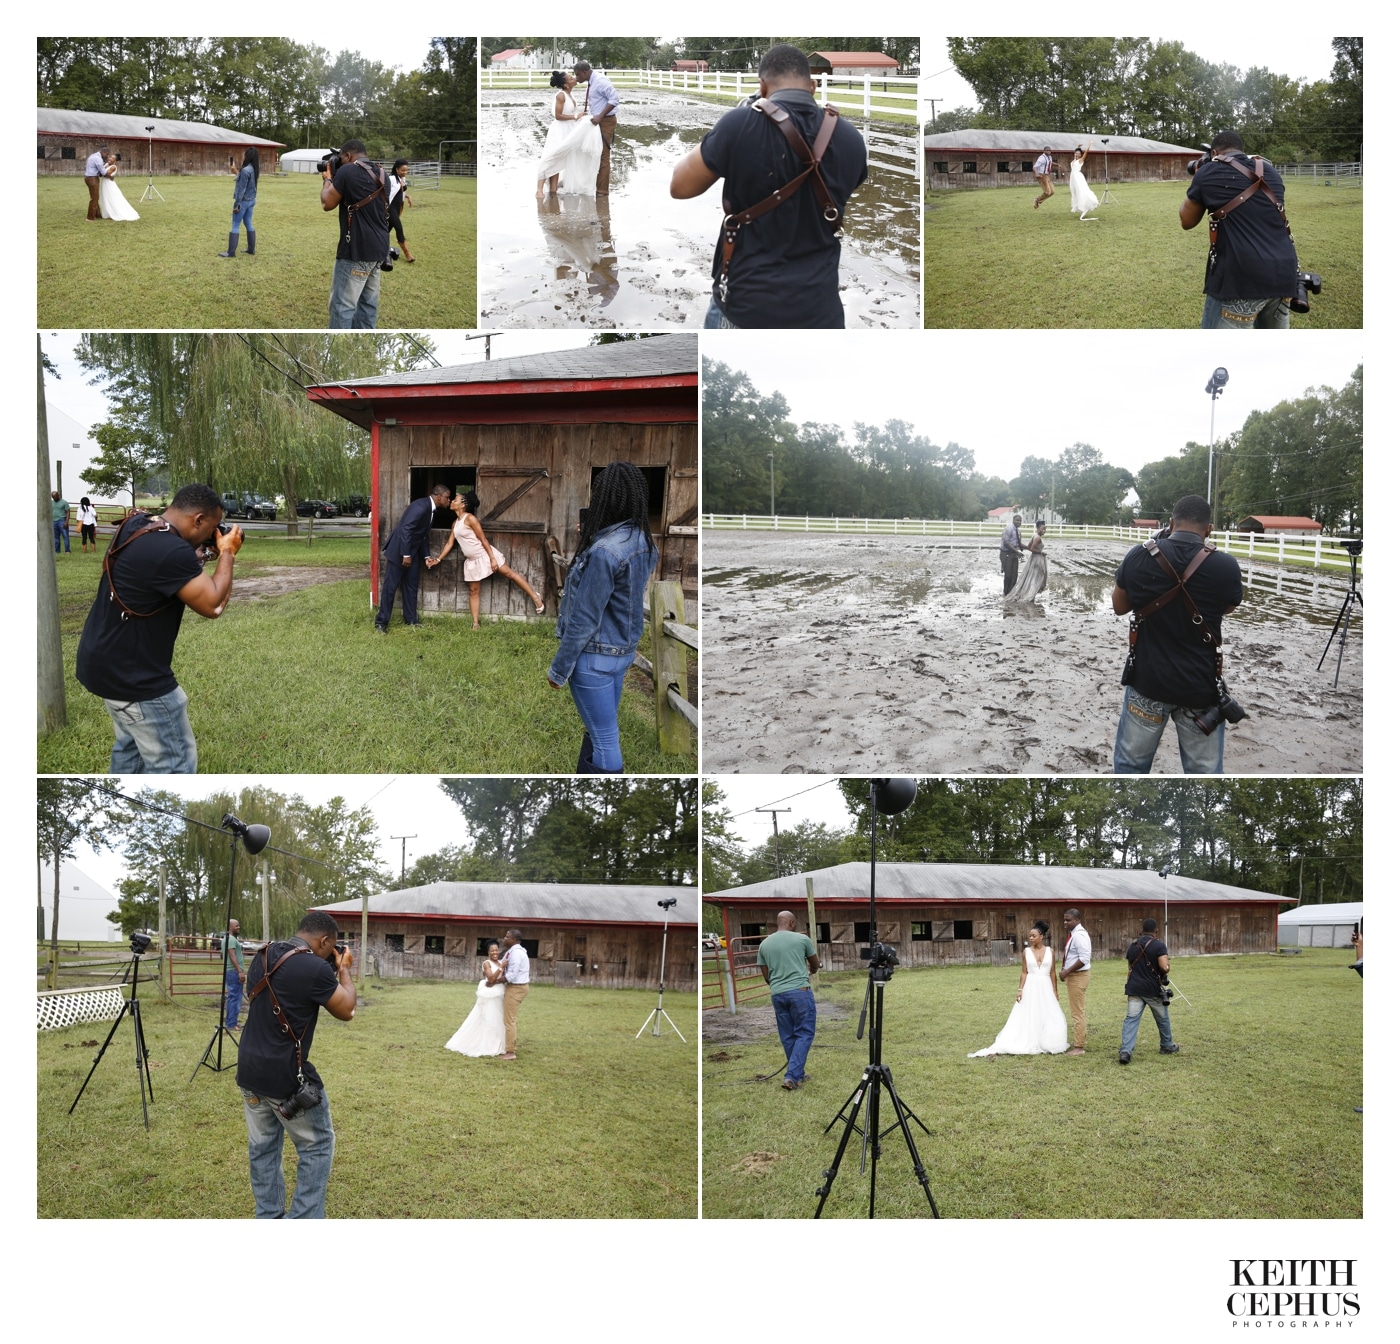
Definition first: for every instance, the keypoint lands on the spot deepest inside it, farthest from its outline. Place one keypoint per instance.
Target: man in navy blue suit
(406, 549)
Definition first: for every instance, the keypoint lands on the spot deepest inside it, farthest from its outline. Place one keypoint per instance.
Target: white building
(82, 906)
(1319, 925)
(302, 160)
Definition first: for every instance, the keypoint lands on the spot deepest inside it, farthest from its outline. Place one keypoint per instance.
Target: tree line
(1290, 837)
(297, 94)
(1301, 457)
(1160, 90)
(721, 53)
(619, 832)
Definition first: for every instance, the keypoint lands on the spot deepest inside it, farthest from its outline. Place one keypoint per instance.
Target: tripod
(1108, 196)
(654, 1017)
(1343, 622)
(150, 194)
(131, 1007)
(886, 797)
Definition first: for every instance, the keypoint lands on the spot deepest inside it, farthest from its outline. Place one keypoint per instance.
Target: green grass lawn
(163, 269)
(302, 684)
(1253, 1119)
(587, 1123)
(990, 260)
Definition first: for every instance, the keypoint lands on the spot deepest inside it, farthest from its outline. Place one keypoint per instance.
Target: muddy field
(636, 258)
(847, 654)
(279, 580)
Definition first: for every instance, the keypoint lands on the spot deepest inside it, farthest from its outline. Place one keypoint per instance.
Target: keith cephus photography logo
(1316, 1294)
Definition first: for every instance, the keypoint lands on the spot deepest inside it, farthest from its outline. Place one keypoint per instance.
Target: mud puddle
(279, 580)
(637, 258)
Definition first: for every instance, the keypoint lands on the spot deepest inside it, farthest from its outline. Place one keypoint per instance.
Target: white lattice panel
(63, 1007)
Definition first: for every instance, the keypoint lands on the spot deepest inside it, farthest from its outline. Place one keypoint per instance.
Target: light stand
(1214, 388)
(656, 1015)
(1108, 196)
(130, 1007)
(151, 194)
(890, 796)
(255, 840)
(1166, 929)
(1353, 598)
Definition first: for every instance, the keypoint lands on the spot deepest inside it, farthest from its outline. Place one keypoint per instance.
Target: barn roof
(57, 121)
(855, 58)
(1341, 912)
(508, 53)
(997, 883)
(1268, 520)
(1032, 142)
(531, 902)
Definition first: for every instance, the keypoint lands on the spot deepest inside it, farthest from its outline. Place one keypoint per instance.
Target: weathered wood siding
(604, 956)
(999, 931)
(502, 458)
(1121, 168)
(169, 158)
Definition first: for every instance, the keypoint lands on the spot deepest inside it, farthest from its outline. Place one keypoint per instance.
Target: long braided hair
(619, 495)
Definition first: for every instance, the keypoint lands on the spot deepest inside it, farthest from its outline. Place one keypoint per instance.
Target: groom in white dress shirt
(1075, 974)
(517, 986)
(97, 167)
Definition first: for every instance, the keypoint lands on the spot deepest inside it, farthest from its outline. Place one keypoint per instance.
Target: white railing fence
(63, 1007)
(1343, 174)
(1317, 551)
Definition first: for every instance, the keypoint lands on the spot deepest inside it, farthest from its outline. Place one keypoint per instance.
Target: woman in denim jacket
(245, 196)
(600, 614)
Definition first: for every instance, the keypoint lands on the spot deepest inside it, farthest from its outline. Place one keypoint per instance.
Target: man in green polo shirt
(235, 976)
(787, 959)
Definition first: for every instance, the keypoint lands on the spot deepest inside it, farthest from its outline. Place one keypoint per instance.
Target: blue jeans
(233, 987)
(715, 319)
(1273, 316)
(596, 685)
(1140, 727)
(354, 296)
(153, 736)
(61, 534)
(796, 1011)
(242, 214)
(1133, 1021)
(314, 1140)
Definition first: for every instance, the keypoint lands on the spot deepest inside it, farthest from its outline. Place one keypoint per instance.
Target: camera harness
(1157, 603)
(1142, 945)
(266, 983)
(129, 613)
(376, 173)
(810, 155)
(1257, 183)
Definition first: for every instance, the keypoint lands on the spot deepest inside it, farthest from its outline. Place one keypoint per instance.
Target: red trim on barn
(863, 902)
(399, 917)
(374, 513)
(639, 401)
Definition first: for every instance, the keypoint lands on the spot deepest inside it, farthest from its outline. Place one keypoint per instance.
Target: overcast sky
(810, 798)
(1275, 46)
(388, 43)
(1136, 398)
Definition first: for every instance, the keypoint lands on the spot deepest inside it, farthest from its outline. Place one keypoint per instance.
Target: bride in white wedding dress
(573, 146)
(1037, 1022)
(1081, 199)
(1033, 578)
(110, 201)
(484, 1031)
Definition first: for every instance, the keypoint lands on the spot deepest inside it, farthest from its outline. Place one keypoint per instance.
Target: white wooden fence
(1318, 552)
(1341, 174)
(63, 1007)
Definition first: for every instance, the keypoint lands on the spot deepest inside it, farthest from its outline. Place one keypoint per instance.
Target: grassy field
(588, 1123)
(301, 683)
(171, 276)
(990, 260)
(1253, 1119)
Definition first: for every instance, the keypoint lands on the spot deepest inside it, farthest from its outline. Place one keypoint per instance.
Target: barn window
(920, 931)
(1027, 166)
(656, 493)
(394, 942)
(823, 933)
(862, 931)
(752, 930)
(969, 167)
(531, 946)
(483, 945)
(434, 942)
(940, 165)
(1003, 166)
(67, 152)
(962, 928)
(457, 479)
(41, 151)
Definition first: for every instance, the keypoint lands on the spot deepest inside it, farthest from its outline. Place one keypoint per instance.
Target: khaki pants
(1076, 982)
(608, 125)
(515, 996)
(93, 183)
(1047, 188)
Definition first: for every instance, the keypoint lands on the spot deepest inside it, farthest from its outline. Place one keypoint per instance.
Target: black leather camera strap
(1180, 580)
(808, 155)
(113, 551)
(266, 983)
(1256, 183)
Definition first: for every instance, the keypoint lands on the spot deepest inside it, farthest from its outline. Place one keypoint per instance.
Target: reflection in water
(578, 242)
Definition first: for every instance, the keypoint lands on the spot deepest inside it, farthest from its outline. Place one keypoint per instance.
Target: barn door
(492, 518)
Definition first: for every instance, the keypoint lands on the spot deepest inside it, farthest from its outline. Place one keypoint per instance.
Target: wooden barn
(528, 434)
(607, 937)
(957, 159)
(176, 148)
(965, 913)
(1279, 526)
(851, 64)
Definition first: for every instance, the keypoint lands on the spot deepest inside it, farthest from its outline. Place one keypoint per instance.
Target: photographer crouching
(282, 1092)
(1253, 281)
(152, 571)
(349, 180)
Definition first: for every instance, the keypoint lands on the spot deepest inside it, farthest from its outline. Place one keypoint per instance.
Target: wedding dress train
(1037, 1022)
(111, 202)
(484, 1031)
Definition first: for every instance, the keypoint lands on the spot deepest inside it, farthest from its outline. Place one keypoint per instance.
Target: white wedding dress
(112, 204)
(573, 149)
(484, 1031)
(1081, 199)
(1032, 581)
(1037, 1023)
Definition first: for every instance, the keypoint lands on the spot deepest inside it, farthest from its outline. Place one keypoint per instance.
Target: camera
(668, 903)
(1206, 157)
(1353, 545)
(139, 943)
(1309, 282)
(307, 1097)
(1227, 710)
(393, 257)
(883, 958)
(332, 163)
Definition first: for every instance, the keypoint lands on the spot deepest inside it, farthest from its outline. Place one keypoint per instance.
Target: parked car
(353, 506)
(709, 942)
(317, 508)
(245, 504)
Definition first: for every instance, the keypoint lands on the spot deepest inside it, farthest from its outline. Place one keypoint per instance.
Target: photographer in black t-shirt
(1252, 268)
(1173, 662)
(785, 265)
(151, 572)
(1149, 967)
(288, 983)
(361, 191)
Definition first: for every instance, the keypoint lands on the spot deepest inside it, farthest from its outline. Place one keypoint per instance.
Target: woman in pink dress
(482, 558)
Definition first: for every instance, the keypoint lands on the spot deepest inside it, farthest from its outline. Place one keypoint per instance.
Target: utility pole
(263, 881)
(773, 812)
(933, 110)
(772, 502)
(403, 853)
